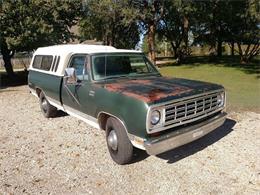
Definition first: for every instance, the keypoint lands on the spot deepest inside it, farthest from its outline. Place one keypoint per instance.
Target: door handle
(92, 93)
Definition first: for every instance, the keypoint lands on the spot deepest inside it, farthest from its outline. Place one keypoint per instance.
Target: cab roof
(80, 48)
(64, 52)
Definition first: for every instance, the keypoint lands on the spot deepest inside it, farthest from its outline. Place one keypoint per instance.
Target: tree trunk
(232, 48)
(249, 53)
(7, 56)
(219, 47)
(185, 32)
(112, 40)
(243, 60)
(174, 50)
(8, 65)
(151, 42)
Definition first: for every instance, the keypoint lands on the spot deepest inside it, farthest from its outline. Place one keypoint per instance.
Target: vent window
(57, 64)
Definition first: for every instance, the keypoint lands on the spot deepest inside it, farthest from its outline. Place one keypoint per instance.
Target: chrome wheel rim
(44, 105)
(112, 140)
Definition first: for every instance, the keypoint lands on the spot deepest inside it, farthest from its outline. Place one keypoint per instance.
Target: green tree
(26, 25)
(243, 28)
(175, 24)
(119, 23)
(210, 26)
(233, 22)
(104, 20)
(148, 14)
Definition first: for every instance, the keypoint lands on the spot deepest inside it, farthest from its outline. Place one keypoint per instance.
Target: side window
(42, 62)
(37, 62)
(46, 62)
(78, 62)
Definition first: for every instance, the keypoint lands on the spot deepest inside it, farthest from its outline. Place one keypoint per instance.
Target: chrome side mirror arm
(70, 76)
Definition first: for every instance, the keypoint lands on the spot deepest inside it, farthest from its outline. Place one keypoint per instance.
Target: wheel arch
(38, 91)
(102, 120)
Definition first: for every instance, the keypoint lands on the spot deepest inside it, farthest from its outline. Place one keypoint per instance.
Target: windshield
(106, 66)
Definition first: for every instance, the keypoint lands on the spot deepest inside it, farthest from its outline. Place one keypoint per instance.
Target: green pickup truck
(122, 92)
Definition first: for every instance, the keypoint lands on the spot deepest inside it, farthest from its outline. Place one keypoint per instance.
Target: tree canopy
(28, 24)
(104, 20)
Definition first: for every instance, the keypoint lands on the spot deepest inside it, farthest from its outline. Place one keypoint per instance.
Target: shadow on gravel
(183, 151)
(60, 113)
(139, 155)
(19, 79)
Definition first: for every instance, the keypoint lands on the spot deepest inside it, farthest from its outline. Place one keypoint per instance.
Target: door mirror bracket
(70, 76)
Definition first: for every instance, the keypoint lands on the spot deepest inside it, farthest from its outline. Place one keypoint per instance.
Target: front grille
(190, 110)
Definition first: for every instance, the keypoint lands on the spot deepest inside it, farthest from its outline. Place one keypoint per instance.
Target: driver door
(75, 95)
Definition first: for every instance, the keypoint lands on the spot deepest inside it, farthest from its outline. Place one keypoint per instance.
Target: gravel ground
(66, 156)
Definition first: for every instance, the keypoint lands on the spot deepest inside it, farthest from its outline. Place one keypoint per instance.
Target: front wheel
(118, 143)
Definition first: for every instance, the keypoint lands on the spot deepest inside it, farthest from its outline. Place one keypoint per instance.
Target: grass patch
(242, 82)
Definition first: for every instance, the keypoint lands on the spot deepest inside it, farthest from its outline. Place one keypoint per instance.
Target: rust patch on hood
(148, 90)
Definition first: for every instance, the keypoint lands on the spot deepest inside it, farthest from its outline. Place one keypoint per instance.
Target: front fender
(130, 111)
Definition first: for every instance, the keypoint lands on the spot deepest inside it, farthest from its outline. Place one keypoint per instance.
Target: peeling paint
(148, 90)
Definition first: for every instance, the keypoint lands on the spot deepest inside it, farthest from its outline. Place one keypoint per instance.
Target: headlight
(155, 117)
(221, 99)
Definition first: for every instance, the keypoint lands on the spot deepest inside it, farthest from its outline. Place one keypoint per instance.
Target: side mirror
(70, 76)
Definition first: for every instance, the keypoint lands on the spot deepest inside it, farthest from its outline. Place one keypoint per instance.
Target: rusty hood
(159, 89)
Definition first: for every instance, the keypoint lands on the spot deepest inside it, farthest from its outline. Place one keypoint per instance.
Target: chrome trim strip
(70, 93)
(183, 136)
(33, 91)
(55, 103)
(45, 71)
(82, 116)
(103, 112)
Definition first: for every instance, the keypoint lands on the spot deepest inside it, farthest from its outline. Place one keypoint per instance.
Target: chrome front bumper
(183, 136)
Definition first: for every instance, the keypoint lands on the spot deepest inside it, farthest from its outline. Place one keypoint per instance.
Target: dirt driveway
(65, 155)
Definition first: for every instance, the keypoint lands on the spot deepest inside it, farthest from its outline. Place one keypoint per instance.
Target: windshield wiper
(146, 73)
(117, 76)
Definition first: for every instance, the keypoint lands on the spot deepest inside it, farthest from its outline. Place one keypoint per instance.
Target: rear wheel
(47, 109)
(118, 143)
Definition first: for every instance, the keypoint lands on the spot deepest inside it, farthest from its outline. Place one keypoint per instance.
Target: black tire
(47, 109)
(123, 154)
